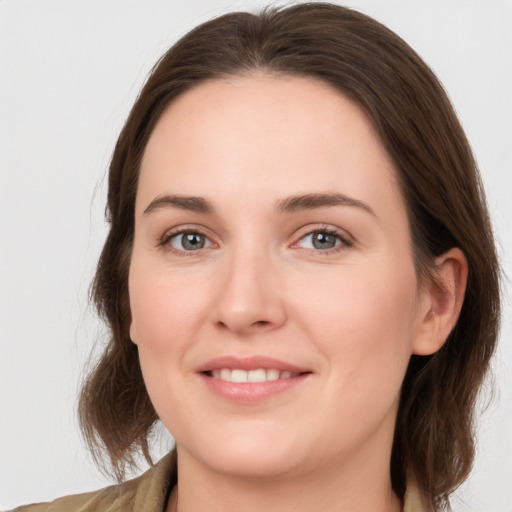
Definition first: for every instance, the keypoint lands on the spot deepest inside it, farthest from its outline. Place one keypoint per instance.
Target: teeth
(259, 375)
(238, 375)
(272, 374)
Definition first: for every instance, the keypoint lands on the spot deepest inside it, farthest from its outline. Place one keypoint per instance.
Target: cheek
(363, 322)
(164, 316)
(163, 306)
(148, 304)
(150, 326)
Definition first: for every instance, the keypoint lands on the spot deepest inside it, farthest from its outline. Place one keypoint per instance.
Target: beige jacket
(147, 493)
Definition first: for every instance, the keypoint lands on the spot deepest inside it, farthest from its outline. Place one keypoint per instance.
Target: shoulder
(147, 493)
(414, 501)
(90, 501)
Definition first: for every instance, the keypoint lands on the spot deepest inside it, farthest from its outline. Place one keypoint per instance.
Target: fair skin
(297, 266)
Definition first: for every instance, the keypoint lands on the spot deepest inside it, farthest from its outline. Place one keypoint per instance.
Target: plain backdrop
(69, 72)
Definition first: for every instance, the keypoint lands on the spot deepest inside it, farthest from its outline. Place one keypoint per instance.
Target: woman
(300, 276)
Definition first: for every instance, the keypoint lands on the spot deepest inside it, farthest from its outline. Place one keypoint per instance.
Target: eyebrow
(322, 200)
(191, 203)
(288, 205)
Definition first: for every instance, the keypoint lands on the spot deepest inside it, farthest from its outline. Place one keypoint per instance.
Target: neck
(326, 489)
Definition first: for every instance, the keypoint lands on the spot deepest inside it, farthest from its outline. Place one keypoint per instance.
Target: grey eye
(188, 241)
(324, 241)
(320, 240)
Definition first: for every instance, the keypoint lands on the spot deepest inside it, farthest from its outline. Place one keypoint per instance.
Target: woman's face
(273, 292)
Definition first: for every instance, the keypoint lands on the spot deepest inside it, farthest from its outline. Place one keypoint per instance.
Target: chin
(258, 456)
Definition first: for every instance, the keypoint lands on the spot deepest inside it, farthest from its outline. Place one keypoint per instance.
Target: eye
(322, 240)
(188, 241)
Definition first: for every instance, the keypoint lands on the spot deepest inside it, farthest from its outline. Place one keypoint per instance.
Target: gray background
(69, 72)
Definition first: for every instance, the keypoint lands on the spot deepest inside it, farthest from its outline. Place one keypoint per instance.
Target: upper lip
(249, 363)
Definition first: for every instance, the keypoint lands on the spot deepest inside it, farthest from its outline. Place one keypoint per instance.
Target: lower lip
(250, 392)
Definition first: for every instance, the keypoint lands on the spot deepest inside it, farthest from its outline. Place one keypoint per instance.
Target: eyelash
(345, 240)
(168, 236)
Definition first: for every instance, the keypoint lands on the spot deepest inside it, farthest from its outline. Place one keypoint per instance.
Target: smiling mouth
(248, 380)
(258, 375)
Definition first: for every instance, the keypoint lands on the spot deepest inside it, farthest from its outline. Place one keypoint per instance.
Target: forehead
(265, 135)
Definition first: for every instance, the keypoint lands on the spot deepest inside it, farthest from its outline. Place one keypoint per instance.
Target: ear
(441, 302)
(133, 331)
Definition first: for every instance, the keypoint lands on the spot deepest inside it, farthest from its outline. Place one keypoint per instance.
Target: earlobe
(133, 334)
(444, 295)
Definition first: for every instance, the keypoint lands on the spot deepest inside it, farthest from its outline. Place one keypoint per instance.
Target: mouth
(238, 375)
(251, 379)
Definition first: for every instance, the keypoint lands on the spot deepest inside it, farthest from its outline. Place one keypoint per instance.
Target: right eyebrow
(191, 203)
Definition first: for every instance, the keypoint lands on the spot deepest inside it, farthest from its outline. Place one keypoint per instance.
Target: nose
(251, 295)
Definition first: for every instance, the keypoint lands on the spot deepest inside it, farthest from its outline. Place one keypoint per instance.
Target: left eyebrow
(313, 201)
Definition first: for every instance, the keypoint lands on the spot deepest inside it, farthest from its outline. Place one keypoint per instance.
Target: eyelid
(347, 240)
(164, 240)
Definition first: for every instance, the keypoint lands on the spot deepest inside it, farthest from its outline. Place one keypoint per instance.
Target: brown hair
(434, 439)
